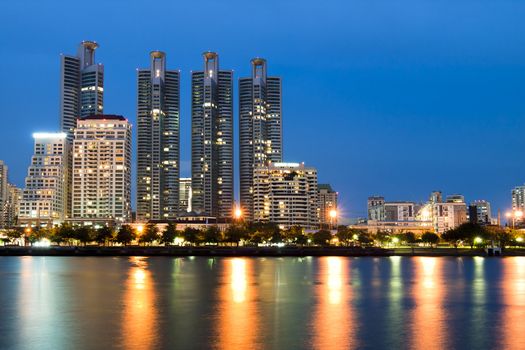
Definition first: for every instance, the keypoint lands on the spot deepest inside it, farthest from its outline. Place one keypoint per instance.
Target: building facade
(101, 191)
(327, 204)
(518, 198)
(260, 128)
(81, 86)
(44, 198)
(185, 195)
(212, 139)
(4, 188)
(286, 194)
(158, 143)
(480, 212)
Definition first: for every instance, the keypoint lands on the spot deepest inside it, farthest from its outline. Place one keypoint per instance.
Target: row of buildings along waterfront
(436, 214)
(82, 174)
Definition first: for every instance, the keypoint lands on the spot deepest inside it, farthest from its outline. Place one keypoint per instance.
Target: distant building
(212, 139)
(260, 128)
(11, 207)
(376, 208)
(81, 86)
(158, 129)
(449, 215)
(44, 198)
(185, 195)
(4, 185)
(102, 170)
(480, 213)
(518, 198)
(327, 204)
(286, 194)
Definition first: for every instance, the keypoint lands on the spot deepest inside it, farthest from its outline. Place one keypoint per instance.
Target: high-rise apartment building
(158, 152)
(3, 184)
(212, 139)
(518, 198)
(44, 198)
(81, 86)
(101, 186)
(480, 212)
(11, 207)
(185, 195)
(450, 214)
(286, 194)
(327, 205)
(260, 128)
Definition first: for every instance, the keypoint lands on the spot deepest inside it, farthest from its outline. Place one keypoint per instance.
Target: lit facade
(185, 195)
(11, 207)
(101, 190)
(327, 204)
(158, 144)
(480, 212)
(212, 139)
(518, 198)
(260, 128)
(286, 194)
(44, 198)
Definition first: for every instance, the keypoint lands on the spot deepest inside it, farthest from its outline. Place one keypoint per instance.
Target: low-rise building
(327, 206)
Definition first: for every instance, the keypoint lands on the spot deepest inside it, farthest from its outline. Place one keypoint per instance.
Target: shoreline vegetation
(257, 239)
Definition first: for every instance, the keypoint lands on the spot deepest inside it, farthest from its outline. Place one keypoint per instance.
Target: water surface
(262, 303)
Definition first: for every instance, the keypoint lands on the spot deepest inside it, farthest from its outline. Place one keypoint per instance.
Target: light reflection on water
(256, 303)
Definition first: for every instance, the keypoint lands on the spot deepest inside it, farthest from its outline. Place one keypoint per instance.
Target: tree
(212, 234)
(294, 234)
(191, 234)
(499, 235)
(410, 238)
(125, 235)
(344, 234)
(84, 234)
(234, 234)
(38, 234)
(382, 237)
(13, 235)
(104, 235)
(364, 238)
(64, 233)
(169, 234)
(430, 238)
(322, 237)
(150, 234)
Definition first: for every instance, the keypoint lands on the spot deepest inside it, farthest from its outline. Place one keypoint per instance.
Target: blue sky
(396, 98)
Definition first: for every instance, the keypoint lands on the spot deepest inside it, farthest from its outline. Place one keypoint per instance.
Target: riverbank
(242, 251)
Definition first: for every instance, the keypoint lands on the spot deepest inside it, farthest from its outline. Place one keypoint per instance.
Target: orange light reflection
(513, 290)
(140, 314)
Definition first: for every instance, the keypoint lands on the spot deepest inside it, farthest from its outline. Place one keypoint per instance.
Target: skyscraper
(44, 197)
(212, 139)
(260, 128)
(101, 190)
(185, 195)
(327, 205)
(158, 113)
(81, 86)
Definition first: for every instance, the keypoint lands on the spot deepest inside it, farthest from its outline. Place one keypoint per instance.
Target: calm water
(262, 303)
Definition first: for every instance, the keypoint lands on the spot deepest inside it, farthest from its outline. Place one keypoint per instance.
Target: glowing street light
(333, 216)
(519, 239)
(395, 240)
(478, 240)
(515, 214)
(140, 229)
(237, 213)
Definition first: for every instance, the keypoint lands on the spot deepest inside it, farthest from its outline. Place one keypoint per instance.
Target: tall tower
(102, 170)
(260, 127)
(81, 87)
(212, 139)
(158, 115)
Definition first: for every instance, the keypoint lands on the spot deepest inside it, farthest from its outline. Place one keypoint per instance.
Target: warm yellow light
(28, 230)
(140, 228)
(355, 237)
(333, 213)
(395, 240)
(237, 213)
(478, 240)
(519, 239)
(507, 214)
(518, 214)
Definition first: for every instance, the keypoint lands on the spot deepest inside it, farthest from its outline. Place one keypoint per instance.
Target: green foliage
(191, 235)
(235, 233)
(212, 234)
(430, 238)
(84, 234)
(125, 235)
(322, 237)
(169, 234)
(104, 235)
(150, 234)
(344, 234)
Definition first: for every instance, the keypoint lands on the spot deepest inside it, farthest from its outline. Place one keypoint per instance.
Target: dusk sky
(383, 97)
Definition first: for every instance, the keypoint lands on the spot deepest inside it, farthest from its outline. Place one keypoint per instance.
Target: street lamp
(333, 216)
(237, 213)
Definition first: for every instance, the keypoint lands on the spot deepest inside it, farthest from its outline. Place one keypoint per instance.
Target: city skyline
(432, 108)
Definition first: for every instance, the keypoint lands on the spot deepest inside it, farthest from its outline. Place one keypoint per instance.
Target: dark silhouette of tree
(212, 234)
(150, 234)
(191, 235)
(430, 238)
(125, 235)
(234, 234)
(84, 234)
(322, 237)
(169, 234)
(104, 235)
(344, 234)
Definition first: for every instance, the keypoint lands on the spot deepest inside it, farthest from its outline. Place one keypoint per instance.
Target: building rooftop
(103, 117)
